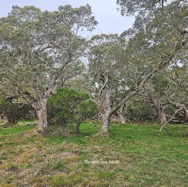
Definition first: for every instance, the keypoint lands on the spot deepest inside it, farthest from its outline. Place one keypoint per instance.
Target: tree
(120, 67)
(36, 48)
(168, 92)
(155, 90)
(178, 95)
(104, 74)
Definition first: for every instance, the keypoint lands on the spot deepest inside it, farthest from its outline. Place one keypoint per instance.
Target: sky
(105, 12)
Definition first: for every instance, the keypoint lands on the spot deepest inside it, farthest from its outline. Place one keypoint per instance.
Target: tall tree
(144, 50)
(37, 47)
(105, 74)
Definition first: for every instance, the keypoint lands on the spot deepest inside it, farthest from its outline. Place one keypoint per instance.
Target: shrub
(13, 112)
(139, 112)
(69, 108)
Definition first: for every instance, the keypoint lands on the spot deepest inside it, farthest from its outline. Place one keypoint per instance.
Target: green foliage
(39, 51)
(69, 106)
(130, 7)
(139, 111)
(13, 112)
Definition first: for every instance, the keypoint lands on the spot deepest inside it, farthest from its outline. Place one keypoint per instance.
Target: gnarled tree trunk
(161, 116)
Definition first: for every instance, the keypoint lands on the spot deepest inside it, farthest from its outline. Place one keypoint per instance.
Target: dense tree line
(136, 76)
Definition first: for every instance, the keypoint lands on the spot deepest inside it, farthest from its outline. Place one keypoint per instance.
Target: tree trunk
(161, 116)
(105, 124)
(42, 115)
(4, 118)
(186, 115)
(162, 120)
(106, 113)
(120, 114)
(78, 126)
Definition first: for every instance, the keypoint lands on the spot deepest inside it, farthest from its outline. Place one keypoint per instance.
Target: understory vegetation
(133, 155)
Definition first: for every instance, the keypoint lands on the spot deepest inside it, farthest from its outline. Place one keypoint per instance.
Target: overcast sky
(105, 12)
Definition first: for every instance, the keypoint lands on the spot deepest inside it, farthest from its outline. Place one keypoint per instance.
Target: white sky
(105, 12)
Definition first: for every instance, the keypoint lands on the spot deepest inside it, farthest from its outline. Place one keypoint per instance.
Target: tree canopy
(42, 50)
(35, 49)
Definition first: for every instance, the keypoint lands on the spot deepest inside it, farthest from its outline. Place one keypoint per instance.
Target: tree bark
(42, 115)
(4, 118)
(186, 115)
(161, 116)
(159, 109)
(78, 126)
(165, 124)
(106, 113)
(120, 114)
(105, 124)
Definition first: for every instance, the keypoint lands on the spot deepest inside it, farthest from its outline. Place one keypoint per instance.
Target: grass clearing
(133, 155)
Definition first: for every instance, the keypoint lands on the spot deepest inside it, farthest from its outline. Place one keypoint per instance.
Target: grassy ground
(131, 156)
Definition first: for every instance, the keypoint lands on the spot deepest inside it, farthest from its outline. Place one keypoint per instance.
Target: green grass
(132, 156)
(15, 130)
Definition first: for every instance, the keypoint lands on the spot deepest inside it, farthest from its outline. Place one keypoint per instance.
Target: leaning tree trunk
(78, 126)
(42, 115)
